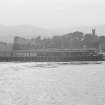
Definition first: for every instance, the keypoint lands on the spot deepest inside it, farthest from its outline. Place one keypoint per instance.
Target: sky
(52, 13)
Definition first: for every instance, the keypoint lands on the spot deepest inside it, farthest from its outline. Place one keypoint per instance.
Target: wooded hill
(75, 40)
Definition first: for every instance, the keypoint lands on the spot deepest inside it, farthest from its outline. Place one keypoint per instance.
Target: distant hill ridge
(29, 31)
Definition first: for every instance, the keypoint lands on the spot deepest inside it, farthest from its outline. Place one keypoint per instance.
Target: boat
(51, 55)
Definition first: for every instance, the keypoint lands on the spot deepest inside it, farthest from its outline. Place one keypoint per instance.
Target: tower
(93, 32)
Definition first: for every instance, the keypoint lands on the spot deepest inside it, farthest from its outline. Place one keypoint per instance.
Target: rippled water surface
(52, 84)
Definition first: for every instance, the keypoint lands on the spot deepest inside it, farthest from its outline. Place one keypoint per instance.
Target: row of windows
(54, 54)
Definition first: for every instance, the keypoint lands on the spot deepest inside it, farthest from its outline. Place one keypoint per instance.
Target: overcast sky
(52, 13)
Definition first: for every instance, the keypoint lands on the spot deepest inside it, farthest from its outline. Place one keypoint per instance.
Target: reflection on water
(52, 83)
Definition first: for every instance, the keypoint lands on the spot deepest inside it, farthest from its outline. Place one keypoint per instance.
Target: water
(52, 84)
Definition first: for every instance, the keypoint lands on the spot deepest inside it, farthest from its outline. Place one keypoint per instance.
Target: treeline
(75, 40)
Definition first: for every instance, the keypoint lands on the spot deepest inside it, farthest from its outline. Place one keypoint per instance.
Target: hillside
(28, 31)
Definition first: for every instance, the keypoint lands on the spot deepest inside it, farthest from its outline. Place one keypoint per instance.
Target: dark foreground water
(52, 84)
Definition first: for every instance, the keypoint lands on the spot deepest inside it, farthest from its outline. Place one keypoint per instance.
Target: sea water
(52, 83)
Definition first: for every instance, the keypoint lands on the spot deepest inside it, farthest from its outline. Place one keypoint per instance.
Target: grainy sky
(52, 13)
